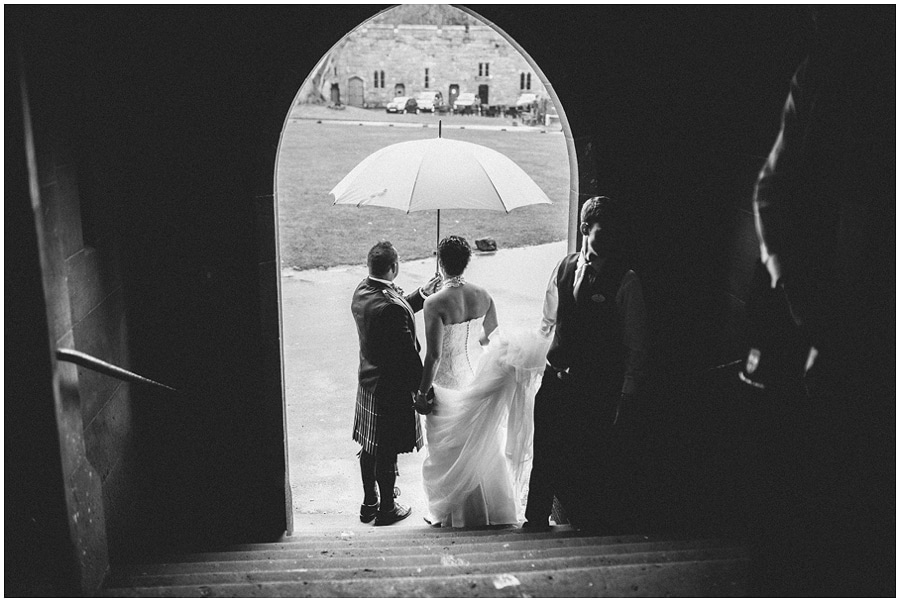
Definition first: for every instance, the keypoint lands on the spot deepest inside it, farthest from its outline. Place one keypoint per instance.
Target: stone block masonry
(413, 58)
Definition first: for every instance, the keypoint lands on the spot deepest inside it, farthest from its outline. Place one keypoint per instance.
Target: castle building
(378, 61)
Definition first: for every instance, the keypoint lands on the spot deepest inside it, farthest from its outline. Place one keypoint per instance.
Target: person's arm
(551, 304)
(434, 337)
(490, 323)
(772, 193)
(630, 300)
(416, 299)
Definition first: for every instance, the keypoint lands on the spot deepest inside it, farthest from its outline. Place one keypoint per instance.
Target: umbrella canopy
(438, 174)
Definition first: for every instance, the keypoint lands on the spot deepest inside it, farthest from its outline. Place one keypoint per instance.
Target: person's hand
(422, 404)
(562, 375)
(773, 266)
(432, 286)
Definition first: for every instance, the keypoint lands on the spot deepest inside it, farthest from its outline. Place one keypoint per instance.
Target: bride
(479, 424)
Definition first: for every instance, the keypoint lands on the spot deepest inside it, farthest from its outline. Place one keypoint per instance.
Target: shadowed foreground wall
(161, 127)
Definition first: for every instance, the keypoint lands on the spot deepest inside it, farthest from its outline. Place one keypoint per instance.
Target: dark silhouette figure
(822, 348)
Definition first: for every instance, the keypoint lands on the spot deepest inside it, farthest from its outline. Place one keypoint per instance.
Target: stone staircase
(429, 562)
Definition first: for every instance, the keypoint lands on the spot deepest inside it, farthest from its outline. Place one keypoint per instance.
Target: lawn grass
(315, 156)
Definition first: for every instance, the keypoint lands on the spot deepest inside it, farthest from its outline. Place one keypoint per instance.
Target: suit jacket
(389, 368)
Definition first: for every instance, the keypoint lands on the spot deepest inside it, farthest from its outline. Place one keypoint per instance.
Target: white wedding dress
(480, 434)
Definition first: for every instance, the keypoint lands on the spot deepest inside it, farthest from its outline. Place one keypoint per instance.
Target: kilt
(393, 432)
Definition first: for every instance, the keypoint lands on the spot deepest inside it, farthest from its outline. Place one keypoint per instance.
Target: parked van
(429, 101)
(466, 103)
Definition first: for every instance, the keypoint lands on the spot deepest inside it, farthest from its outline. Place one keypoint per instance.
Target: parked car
(429, 101)
(466, 103)
(551, 116)
(526, 100)
(527, 108)
(402, 104)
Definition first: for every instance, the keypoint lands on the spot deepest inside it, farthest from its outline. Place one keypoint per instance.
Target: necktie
(584, 278)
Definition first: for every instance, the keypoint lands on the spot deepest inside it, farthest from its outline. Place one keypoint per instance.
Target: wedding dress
(480, 434)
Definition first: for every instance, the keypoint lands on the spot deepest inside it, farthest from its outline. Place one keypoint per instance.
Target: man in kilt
(390, 368)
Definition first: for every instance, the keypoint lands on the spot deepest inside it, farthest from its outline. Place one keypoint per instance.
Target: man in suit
(390, 368)
(824, 366)
(594, 310)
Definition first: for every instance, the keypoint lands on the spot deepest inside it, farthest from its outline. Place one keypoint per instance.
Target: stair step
(450, 565)
(401, 556)
(365, 549)
(707, 578)
(349, 539)
(404, 531)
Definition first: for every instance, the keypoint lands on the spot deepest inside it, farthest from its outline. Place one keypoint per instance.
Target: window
(484, 69)
(524, 81)
(426, 79)
(379, 79)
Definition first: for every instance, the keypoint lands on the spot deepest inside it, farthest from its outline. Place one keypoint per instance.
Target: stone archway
(572, 210)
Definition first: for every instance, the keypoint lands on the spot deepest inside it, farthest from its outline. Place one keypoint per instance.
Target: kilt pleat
(397, 433)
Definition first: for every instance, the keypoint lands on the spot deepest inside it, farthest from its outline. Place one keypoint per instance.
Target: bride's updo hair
(454, 253)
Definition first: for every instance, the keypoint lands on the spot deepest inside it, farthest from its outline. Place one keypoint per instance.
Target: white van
(428, 101)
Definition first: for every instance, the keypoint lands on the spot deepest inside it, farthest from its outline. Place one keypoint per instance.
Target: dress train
(480, 433)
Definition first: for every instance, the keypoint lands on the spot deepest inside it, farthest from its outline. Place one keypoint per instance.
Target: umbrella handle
(437, 262)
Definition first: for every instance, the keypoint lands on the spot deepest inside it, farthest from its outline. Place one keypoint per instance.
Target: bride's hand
(423, 405)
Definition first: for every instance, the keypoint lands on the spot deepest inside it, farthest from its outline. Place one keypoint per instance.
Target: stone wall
(465, 56)
(671, 108)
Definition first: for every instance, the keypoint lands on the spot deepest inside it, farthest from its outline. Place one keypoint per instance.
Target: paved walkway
(321, 356)
(379, 117)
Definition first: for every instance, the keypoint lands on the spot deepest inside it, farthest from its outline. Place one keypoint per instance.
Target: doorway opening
(323, 247)
(452, 93)
(355, 92)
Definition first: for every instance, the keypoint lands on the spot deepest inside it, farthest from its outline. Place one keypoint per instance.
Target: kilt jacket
(390, 368)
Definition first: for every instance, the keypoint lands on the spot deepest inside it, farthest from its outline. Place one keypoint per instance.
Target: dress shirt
(631, 309)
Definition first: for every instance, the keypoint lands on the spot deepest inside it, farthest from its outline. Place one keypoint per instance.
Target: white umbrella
(438, 174)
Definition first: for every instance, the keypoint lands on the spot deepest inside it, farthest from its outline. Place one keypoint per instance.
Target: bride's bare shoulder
(480, 292)
(476, 288)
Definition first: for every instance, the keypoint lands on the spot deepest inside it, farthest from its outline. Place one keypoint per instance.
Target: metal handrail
(97, 365)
